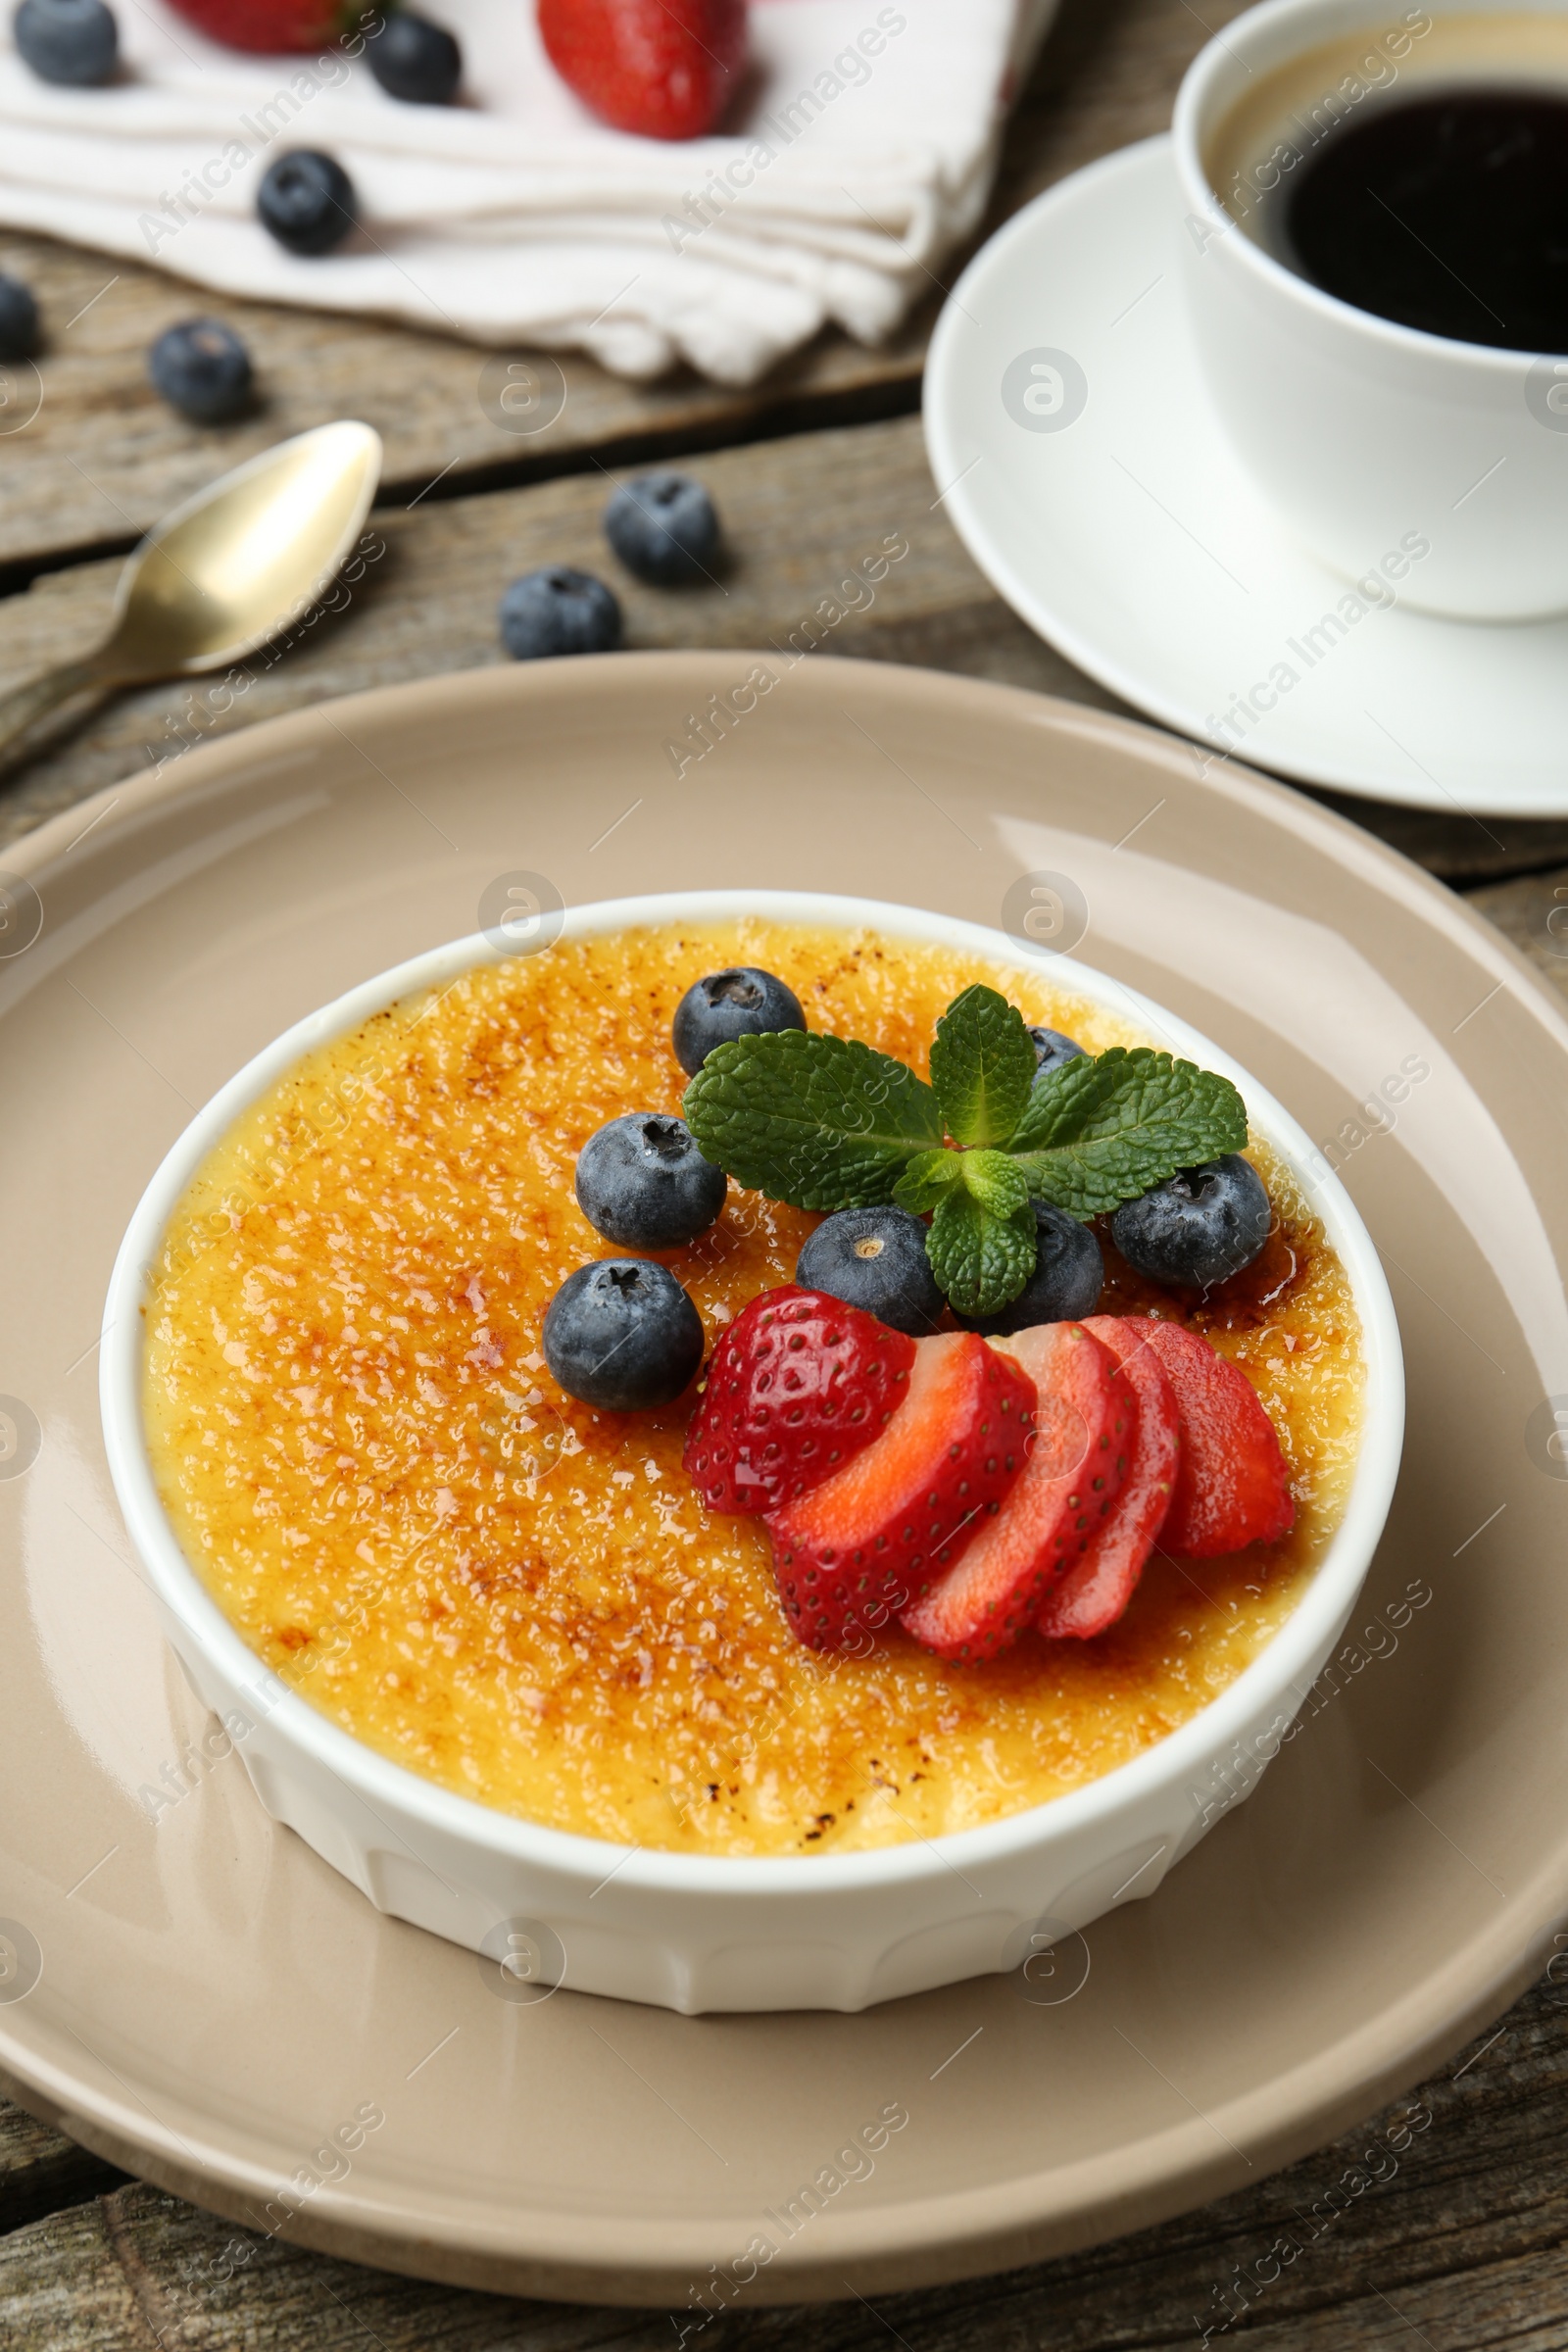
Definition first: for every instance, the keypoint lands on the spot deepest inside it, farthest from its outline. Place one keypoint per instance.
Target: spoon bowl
(237, 562)
(230, 568)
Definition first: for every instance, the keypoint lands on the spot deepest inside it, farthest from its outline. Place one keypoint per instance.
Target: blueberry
(1052, 1052)
(874, 1259)
(203, 369)
(558, 610)
(415, 60)
(306, 201)
(742, 1002)
(642, 1181)
(1064, 1284)
(622, 1335)
(20, 334)
(1200, 1228)
(72, 41)
(664, 528)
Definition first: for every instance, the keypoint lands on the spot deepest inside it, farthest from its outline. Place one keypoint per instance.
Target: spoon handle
(29, 702)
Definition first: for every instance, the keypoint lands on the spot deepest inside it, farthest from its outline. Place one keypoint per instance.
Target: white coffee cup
(1363, 434)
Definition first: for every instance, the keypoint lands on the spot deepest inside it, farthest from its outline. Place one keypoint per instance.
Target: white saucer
(1116, 522)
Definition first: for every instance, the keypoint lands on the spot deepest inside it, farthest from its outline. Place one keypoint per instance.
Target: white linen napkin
(861, 149)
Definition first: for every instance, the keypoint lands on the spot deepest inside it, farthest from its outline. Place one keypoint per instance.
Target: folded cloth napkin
(861, 149)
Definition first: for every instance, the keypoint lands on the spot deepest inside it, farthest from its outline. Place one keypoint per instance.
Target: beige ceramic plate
(215, 2004)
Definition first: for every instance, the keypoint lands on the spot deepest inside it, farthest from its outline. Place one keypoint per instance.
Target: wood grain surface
(41, 2170)
(1462, 2245)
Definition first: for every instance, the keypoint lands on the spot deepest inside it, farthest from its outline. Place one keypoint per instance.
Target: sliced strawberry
(1232, 1482)
(798, 1386)
(856, 1549)
(1097, 1585)
(665, 68)
(1084, 1416)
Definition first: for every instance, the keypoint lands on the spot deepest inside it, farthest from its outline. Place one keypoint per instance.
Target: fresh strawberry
(1083, 1420)
(271, 26)
(1097, 1587)
(664, 69)
(796, 1387)
(1232, 1482)
(857, 1549)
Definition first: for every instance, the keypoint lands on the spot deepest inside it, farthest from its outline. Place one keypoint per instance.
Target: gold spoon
(229, 569)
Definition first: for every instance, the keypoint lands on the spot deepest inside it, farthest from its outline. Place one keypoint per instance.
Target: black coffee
(1448, 214)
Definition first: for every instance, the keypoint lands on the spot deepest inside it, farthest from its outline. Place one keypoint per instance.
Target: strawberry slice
(1232, 1482)
(1083, 1417)
(856, 1550)
(1098, 1584)
(796, 1387)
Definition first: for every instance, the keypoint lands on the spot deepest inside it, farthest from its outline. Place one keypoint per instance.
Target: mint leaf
(927, 1181)
(996, 1182)
(982, 1066)
(1107, 1127)
(821, 1122)
(980, 1260)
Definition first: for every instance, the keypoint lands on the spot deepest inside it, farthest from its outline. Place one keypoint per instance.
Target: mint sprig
(826, 1123)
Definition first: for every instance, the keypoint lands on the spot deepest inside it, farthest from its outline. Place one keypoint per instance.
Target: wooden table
(1463, 2246)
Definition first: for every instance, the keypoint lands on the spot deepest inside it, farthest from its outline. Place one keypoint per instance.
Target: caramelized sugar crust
(363, 1454)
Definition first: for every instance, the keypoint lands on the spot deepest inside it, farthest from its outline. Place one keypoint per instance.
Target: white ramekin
(697, 1932)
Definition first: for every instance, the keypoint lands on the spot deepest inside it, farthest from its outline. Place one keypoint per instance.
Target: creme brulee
(363, 1454)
